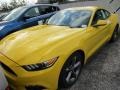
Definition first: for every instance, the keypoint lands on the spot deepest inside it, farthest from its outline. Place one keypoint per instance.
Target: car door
(97, 36)
(31, 17)
(109, 22)
(106, 28)
(37, 15)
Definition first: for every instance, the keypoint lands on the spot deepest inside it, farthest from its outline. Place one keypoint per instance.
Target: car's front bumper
(23, 79)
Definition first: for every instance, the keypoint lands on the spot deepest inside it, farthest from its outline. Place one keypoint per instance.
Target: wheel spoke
(67, 69)
(77, 64)
(68, 76)
(77, 73)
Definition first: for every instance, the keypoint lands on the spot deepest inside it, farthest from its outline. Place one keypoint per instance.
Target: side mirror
(26, 17)
(100, 23)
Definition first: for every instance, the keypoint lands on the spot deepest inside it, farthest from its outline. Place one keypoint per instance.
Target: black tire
(70, 74)
(115, 34)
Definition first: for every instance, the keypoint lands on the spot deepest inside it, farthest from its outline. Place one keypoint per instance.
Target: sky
(28, 1)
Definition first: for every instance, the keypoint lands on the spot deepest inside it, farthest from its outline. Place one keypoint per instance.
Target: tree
(4, 6)
(15, 3)
(22, 2)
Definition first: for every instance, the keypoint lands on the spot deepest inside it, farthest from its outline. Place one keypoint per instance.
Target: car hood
(20, 44)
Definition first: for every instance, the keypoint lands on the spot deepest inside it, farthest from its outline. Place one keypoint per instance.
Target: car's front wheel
(71, 70)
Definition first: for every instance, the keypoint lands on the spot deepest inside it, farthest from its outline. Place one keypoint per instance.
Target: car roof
(29, 6)
(83, 8)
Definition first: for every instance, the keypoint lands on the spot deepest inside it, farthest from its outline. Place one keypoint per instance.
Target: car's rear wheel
(71, 70)
(115, 34)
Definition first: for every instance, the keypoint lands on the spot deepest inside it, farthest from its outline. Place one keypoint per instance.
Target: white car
(3, 81)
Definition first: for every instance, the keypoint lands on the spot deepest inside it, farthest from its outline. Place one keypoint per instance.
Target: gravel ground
(102, 72)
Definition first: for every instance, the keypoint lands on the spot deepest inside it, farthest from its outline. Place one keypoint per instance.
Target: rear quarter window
(107, 13)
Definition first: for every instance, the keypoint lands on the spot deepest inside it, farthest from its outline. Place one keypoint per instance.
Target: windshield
(14, 14)
(72, 18)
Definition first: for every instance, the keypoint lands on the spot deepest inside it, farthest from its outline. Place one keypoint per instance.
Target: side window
(50, 9)
(107, 13)
(42, 10)
(57, 9)
(99, 15)
(54, 9)
(33, 12)
(104, 15)
(47, 9)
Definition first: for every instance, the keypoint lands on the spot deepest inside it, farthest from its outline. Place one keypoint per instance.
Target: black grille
(8, 69)
(35, 88)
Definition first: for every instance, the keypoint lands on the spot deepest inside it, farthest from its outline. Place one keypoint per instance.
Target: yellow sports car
(51, 56)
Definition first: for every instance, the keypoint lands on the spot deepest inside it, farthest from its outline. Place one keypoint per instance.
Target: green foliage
(13, 4)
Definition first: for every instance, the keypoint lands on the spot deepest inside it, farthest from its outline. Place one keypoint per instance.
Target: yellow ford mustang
(51, 56)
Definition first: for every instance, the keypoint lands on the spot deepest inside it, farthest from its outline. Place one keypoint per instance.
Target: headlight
(40, 66)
